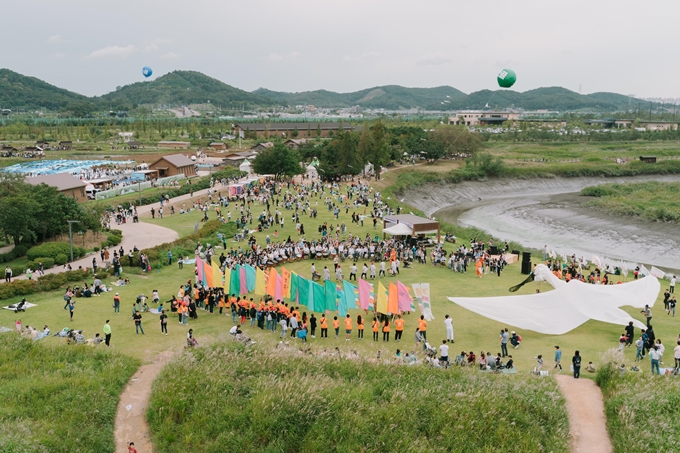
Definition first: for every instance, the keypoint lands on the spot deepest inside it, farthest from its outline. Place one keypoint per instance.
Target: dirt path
(587, 423)
(131, 424)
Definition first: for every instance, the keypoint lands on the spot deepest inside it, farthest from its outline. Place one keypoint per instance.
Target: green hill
(392, 97)
(18, 91)
(183, 88)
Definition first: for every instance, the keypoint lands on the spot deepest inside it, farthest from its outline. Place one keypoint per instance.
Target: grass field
(650, 201)
(232, 398)
(59, 399)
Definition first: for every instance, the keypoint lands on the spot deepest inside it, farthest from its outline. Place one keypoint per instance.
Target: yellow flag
(260, 278)
(381, 306)
(285, 276)
(217, 275)
(227, 280)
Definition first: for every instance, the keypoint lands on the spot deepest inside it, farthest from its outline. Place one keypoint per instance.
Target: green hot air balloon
(506, 78)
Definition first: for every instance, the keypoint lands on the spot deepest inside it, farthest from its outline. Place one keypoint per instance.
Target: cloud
(372, 55)
(434, 59)
(276, 57)
(54, 39)
(170, 56)
(57, 56)
(121, 52)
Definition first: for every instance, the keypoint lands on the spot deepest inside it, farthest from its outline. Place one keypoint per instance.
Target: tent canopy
(245, 166)
(399, 229)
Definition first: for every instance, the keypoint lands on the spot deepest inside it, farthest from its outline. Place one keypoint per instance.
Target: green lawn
(231, 398)
(59, 399)
(650, 201)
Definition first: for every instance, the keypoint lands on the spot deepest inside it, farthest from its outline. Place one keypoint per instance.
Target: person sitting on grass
(590, 367)
(191, 341)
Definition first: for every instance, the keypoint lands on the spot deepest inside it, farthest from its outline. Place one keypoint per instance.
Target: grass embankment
(59, 399)
(642, 411)
(650, 201)
(227, 398)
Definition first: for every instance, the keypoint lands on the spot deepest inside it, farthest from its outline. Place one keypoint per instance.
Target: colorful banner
(405, 299)
(350, 294)
(330, 302)
(303, 292)
(216, 275)
(271, 282)
(207, 274)
(293, 287)
(365, 290)
(235, 279)
(392, 299)
(243, 280)
(199, 269)
(285, 282)
(227, 280)
(422, 292)
(251, 278)
(260, 279)
(317, 297)
(279, 288)
(381, 299)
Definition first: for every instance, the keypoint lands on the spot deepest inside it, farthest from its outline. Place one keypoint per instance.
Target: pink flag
(405, 299)
(242, 281)
(199, 267)
(364, 294)
(279, 288)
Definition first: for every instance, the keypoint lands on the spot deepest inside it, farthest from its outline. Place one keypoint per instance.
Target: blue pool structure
(50, 167)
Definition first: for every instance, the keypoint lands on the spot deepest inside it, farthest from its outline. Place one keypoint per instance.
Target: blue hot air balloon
(146, 71)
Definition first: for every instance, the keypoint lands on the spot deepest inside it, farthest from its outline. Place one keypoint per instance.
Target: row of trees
(348, 152)
(29, 214)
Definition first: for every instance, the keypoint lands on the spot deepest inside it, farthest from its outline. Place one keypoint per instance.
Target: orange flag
(271, 282)
(393, 299)
(286, 276)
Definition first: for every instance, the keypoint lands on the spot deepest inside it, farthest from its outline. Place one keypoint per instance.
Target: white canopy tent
(399, 229)
(568, 306)
(312, 172)
(246, 166)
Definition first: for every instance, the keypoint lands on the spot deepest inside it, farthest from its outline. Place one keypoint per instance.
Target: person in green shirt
(107, 332)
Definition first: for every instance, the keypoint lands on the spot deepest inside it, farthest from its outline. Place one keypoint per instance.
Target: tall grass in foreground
(642, 411)
(227, 398)
(58, 399)
(650, 201)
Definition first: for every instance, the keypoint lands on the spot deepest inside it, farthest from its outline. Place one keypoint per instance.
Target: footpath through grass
(59, 399)
(650, 201)
(231, 398)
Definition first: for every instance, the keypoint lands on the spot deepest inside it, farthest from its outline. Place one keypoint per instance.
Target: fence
(104, 194)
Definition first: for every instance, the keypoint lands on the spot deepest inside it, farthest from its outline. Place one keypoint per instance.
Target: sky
(93, 46)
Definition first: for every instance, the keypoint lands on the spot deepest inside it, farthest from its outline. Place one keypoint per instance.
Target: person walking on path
(138, 322)
(8, 274)
(448, 322)
(164, 323)
(576, 362)
(116, 303)
(558, 358)
(107, 333)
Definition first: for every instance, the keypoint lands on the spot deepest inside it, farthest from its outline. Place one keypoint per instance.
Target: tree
(365, 143)
(457, 140)
(279, 160)
(318, 130)
(16, 217)
(380, 148)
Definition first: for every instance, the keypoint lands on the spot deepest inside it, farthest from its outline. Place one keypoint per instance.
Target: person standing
(398, 328)
(116, 303)
(422, 327)
(164, 323)
(169, 257)
(676, 356)
(312, 325)
(672, 285)
(71, 307)
(655, 357)
(448, 322)
(107, 333)
(386, 329)
(360, 327)
(8, 274)
(138, 322)
(648, 314)
(376, 328)
(336, 326)
(348, 327)
(576, 362)
(558, 358)
(504, 342)
(630, 333)
(444, 353)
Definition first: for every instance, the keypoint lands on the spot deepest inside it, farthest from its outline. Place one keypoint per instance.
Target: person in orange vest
(386, 329)
(324, 326)
(376, 328)
(398, 328)
(348, 327)
(360, 327)
(422, 327)
(336, 326)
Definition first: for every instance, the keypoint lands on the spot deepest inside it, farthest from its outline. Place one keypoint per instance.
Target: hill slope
(18, 91)
(392, 97)
(183, 88)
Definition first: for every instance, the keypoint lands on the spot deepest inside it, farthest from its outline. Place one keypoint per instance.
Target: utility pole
(70, 234)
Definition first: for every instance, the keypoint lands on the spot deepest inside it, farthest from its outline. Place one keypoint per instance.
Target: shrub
(17, 270)
(48, 249)
(96, 249)
(61, 259)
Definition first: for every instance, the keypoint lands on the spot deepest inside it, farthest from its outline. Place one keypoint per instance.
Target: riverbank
(539, 212)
